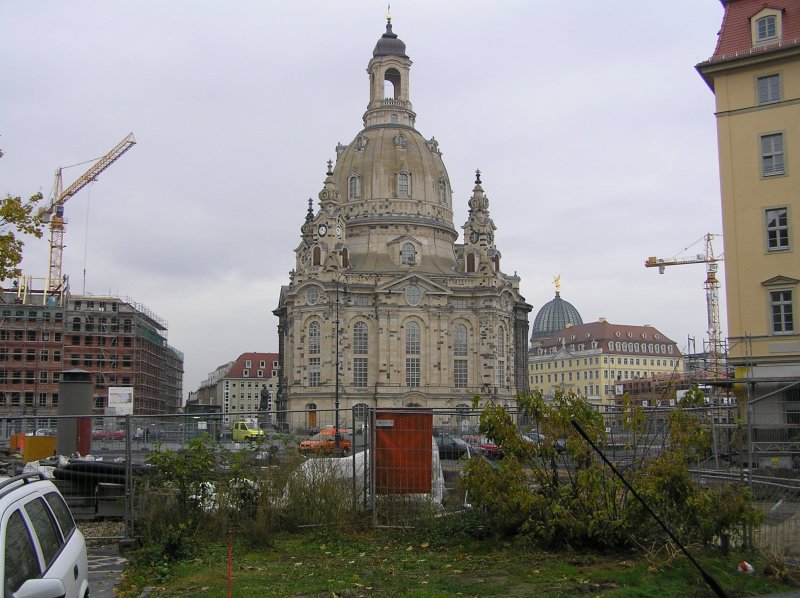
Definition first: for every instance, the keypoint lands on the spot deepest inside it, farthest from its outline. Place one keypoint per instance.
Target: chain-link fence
(418, 458)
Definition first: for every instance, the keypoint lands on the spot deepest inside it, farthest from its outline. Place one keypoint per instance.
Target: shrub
(559, 492)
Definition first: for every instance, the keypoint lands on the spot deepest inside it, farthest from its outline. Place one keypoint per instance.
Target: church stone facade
(382, 298)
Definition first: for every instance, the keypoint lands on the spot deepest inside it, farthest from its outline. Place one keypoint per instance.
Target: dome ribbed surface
(554, 316)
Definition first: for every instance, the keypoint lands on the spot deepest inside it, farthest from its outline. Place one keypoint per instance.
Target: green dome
(554, 316)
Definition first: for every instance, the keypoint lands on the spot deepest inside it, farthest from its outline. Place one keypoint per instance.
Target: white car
(42, 552)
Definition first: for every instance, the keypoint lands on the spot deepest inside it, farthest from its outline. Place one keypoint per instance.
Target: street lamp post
(337, 435)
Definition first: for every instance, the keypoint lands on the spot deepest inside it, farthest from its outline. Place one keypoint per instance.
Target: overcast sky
(594, 134)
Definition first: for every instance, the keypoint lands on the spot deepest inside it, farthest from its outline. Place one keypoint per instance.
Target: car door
(70, 563)
(20, 559)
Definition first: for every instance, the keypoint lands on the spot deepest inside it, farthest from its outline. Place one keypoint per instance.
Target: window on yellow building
(772, 155)
(769, 89)
(782, 312)
(777, 229)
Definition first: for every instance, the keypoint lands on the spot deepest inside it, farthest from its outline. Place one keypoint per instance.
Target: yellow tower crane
(712, 295)
(54, 211)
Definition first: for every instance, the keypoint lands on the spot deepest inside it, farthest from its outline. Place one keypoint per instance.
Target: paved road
(105, 568)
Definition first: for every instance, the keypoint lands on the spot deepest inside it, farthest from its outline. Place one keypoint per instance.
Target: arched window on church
(442, 190)
(313, 338)
(353, 186)
(391, 83)
(360, 350)
(408, 254)
(501, 357)
(360, 338)
(345, 257)
(460, 340)
(460, 363)
(412, 355)
(403, 184)
(470, 262)
(316, 257)
(313, 352)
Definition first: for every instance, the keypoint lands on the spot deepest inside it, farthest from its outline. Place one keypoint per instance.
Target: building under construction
(119, 342)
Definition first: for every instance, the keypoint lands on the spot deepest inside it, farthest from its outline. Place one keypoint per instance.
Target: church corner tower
(382, 298)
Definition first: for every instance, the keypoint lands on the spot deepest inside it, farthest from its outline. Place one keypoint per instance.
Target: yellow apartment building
(594, 359)
(754, 74)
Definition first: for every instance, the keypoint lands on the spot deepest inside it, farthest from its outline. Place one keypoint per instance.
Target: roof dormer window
(766, 26)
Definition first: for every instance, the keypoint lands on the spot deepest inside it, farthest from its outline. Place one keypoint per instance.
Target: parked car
(245, 430)
(148, 433)
(451, 447)
(324, 443)
(534, 437)
(43, 552)
(484, 446)
(108, 434)
(560, 444)
(43, 432)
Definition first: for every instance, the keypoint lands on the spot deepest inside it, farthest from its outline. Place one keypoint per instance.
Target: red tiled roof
(602, 332)
(734, 36)
(240, 364)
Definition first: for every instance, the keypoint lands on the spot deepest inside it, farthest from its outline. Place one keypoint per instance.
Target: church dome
(378, 155)
(389, 44)
(554, 316)
(393, 186)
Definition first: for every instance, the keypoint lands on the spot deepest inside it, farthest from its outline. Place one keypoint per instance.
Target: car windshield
(250, 426)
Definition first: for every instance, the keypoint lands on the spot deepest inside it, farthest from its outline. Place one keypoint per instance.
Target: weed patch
(395, 563)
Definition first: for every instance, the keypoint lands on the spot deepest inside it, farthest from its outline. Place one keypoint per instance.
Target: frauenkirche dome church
(383, 300)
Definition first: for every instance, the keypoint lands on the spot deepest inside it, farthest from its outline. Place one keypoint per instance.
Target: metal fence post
(128, 481)
(372, 501)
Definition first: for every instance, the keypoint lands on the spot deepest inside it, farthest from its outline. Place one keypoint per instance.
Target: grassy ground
(382, 563)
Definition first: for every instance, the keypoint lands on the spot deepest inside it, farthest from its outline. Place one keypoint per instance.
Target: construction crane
(712, 296)
(54, 211)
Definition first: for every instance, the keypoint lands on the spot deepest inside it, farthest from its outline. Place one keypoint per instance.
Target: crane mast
(54, 211)
(712, 297)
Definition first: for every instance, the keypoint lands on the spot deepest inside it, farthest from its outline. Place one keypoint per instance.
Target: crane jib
(55, 210)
